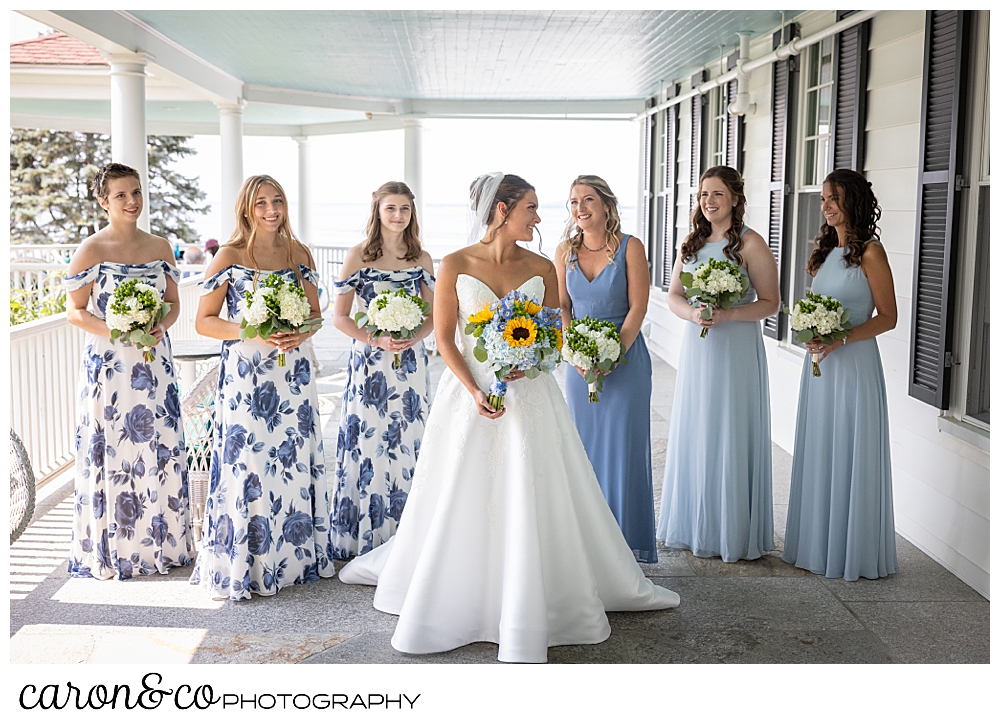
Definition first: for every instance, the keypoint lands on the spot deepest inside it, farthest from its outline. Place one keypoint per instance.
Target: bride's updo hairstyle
(701, 228)
(511, 190)
(371, 247)
(859, 206)
(109, 172)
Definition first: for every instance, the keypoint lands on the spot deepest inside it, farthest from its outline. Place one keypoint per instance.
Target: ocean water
(443, 227)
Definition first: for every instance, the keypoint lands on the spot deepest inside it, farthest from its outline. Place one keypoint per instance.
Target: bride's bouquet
(133, 311)
(594, 346)
(718, 284)
(396, 313)
(278, 305)
(819, 316)
(515, 333)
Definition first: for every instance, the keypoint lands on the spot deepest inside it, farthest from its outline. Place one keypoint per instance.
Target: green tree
(50, 196)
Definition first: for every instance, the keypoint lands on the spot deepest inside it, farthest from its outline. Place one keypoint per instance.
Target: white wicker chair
(197, 413)
(22, 488)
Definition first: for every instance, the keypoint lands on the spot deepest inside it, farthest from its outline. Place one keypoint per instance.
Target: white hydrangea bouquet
(277, 305)
(819, 316)
(133, 311)
(396, 313)
(594, 346)
(717, 284)
(515, 333)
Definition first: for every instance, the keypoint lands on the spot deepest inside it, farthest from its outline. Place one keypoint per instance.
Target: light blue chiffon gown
(840, 521)
(717, 483)
(615, 430)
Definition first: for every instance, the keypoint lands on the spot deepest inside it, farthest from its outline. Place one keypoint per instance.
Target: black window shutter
(734, 124)
(697, 140)
(941, 135)
(779, 189)
(850, 96)
(665, 218)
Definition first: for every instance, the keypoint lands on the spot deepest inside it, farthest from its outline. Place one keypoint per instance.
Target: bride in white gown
(506, 536)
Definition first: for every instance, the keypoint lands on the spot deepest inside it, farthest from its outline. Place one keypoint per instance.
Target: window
(972, 347)
(717, 128)
(817, 97)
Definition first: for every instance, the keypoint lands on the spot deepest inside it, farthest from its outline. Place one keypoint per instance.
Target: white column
(128, 119)
(413, 166)
(231, 136)
(305, 188)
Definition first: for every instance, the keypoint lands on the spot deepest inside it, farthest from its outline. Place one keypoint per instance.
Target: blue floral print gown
(267, 514)
(131, 513)
(381, 424)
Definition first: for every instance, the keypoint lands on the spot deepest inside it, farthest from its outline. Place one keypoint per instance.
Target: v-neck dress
(615, 430)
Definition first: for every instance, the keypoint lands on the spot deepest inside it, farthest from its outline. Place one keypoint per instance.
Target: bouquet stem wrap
(592, 392)
(498, 390)
(815, 359)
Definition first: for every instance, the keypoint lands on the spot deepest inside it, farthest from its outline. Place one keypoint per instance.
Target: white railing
(44, 363)
(329, 260)
(37, 280)
(42, 253)
(183, 328)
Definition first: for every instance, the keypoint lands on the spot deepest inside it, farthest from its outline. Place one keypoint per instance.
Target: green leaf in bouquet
(469, 327)
(135, 335)
(600, 384)
(532, 372)
(480, 353)
(622, 359)
(478, 332)
(804, 335)
(265, 329)
(693, 292)
(147, 340)
(245, 332)
(591, 376)
(706, 313)
(361, 319)
(687, 278)
(744, 283)
(115, 334)
(845, 315)
(786, 310)
(605, 364)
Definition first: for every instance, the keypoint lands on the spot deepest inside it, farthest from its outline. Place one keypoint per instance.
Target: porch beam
(116, 31)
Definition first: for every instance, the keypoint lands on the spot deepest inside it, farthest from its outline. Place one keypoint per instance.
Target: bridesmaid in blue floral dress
(840, 519)
(267, 513)
(603, 274)
(131, 515)
(717, 481)
(385, 405)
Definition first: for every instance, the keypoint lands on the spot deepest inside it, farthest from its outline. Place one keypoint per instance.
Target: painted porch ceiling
(486, 55)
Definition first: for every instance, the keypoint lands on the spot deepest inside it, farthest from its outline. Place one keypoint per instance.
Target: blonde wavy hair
(573, 235)
(245, 234)
(371, 247)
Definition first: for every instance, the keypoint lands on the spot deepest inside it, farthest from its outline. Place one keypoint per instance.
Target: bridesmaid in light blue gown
(603, 274)
(717, 482)
(840, 520)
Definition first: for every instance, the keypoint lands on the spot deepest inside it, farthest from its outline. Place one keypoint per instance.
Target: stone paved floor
(763, 611)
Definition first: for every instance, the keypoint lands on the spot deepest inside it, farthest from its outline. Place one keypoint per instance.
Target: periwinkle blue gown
(840, 520)
(717, 482)
(615, 430)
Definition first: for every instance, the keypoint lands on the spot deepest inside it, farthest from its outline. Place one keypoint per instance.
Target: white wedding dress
(506, 536)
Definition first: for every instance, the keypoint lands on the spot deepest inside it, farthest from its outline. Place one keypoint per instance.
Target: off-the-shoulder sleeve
(350, 284)
(78, 281)
(427, 278)
(309, 275)
(172, 272)
(214, 282)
